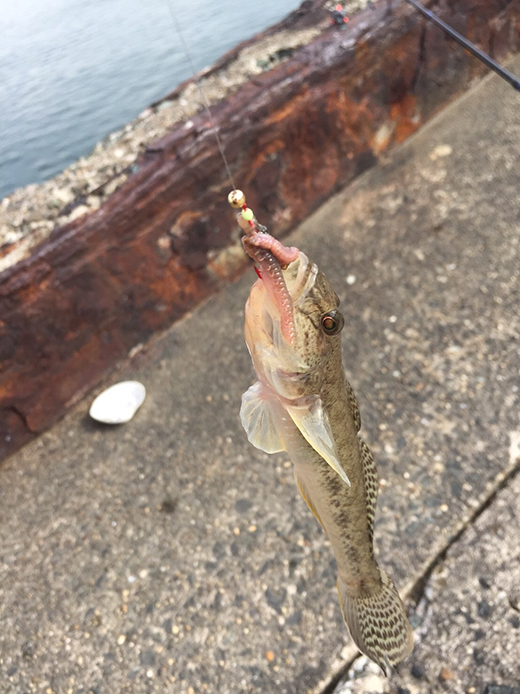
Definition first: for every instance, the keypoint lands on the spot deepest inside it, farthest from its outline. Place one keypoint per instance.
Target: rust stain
(287, 110)
(272, 149)
(406, 117)
(166, 238)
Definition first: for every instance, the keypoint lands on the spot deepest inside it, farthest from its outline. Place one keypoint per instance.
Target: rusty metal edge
(108, 281)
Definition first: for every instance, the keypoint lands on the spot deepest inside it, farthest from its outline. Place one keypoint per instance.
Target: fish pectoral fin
(258, 419)
(314, 426)
(307, 498)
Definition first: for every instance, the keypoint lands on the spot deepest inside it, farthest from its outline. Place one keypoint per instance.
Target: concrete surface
(167, 555)
(468, 621)
(469, 635)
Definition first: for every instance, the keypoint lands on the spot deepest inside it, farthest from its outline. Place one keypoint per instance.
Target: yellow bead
(248, 214)
(237, 198)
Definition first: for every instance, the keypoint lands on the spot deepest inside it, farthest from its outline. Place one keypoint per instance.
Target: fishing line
(465, 43)
(236, 197)
(201, 91)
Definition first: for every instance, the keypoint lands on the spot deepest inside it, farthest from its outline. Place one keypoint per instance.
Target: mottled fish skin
(304, 405)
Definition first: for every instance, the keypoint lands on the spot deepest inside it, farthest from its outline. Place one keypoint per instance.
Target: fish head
(292, 321)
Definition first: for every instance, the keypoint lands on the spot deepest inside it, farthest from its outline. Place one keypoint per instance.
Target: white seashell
(119, 403)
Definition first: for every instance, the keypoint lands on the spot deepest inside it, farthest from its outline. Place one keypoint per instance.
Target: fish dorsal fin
(258, 420)
(305, 493)
(354, 408)
(371, 479)
(313, 424)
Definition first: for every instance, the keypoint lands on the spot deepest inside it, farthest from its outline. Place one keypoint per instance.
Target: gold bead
(237, 198)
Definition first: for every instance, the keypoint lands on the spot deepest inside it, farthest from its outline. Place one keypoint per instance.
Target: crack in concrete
(416, 591)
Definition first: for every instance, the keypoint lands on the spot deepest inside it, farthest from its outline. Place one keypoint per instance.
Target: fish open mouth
(272, 259)
(283, 352)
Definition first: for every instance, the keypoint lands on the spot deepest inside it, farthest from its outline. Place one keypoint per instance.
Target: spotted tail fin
(378, 624)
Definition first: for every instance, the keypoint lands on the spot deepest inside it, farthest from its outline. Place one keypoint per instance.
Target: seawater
(72, 71)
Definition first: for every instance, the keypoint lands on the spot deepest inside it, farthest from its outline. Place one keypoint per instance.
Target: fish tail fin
(378, 624)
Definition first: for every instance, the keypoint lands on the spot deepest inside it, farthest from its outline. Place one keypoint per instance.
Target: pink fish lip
(271, 258)
(262, 241)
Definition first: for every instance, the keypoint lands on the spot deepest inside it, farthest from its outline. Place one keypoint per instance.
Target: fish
(303, 404)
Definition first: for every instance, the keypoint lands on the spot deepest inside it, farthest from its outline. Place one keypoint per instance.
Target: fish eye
(332, 322)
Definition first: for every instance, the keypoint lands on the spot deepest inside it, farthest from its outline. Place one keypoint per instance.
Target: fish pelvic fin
(313, 424)
(378, 624)
(259, 420)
